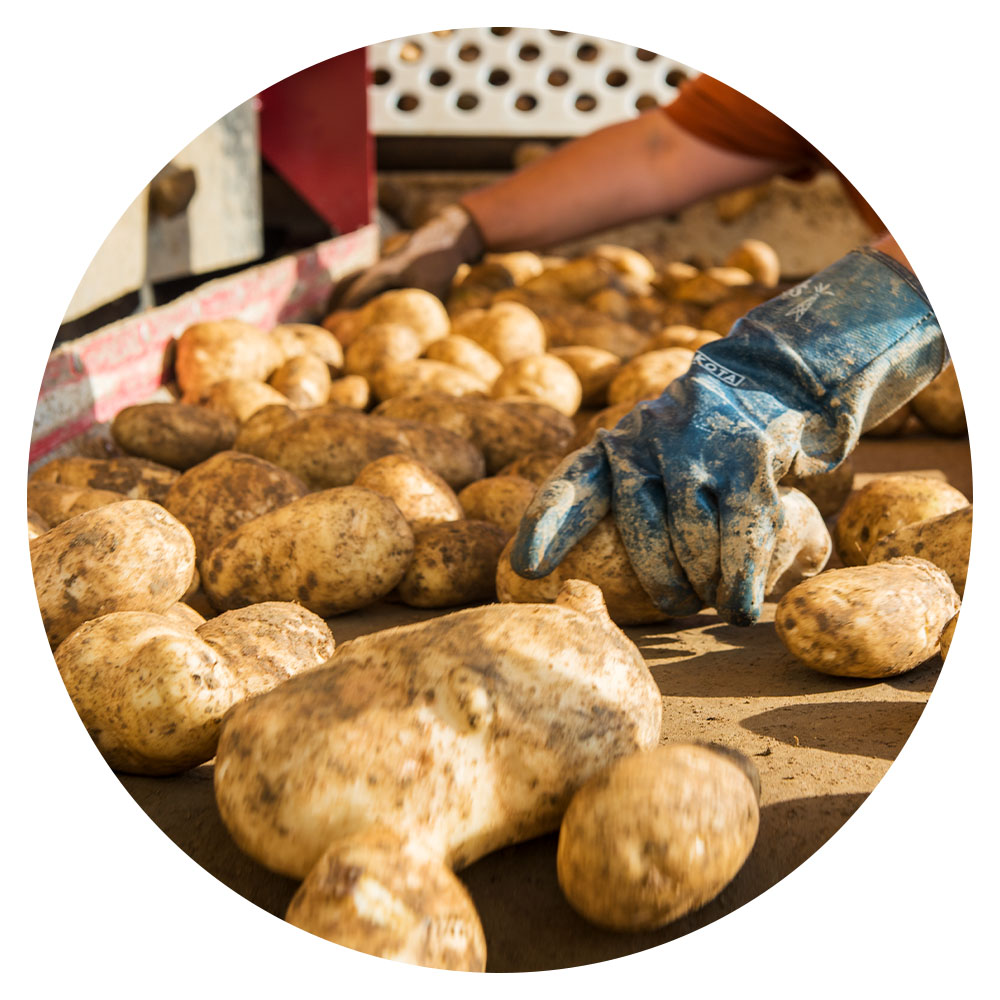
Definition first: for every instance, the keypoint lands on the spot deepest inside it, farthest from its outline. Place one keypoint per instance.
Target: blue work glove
(691, 477)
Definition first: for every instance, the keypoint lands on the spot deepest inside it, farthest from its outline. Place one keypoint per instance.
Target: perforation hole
(675, 78)
(585, 102)
(466, 101)
(558, 78)
(616, 78)
(500, 32)
(587, 52)
(645, 101)
(439, 78)
(408, 102)
(558, 34)
(526, 102)
(528, 53)
(469, 52)
(381, 77)
(411, 51)
(498, 77)
(644, 55)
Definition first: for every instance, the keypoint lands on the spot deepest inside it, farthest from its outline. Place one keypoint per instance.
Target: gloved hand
(428, 259)
(691, 477)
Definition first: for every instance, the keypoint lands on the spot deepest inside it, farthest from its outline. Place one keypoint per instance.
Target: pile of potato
(308, 471)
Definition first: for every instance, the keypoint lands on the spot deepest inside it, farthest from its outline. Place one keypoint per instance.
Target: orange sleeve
(723, 117)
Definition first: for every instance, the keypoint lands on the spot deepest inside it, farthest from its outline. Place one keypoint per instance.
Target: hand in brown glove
(428, 259)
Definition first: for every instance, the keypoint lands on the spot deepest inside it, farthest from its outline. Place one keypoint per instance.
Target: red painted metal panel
(314, 132)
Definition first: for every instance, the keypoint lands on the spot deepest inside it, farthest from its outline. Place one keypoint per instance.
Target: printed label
(722, 373)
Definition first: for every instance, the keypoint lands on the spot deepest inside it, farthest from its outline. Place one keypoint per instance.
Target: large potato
(303, 380)
(224, 349)
(239, 398)
(296, 339)
(457, 461)
(656, 835)
(606, 418)
(332, 551)
(352, 391)
(501, 500)
(479, 745)
(465, 354)
(508, 330)
(229, 489)
(381, 344)
(542, 377)
(174, 434)
(381, 894)
(595, 368)
(868, 621)
(759, 259)
(884, 505)
(410, 378)
(453, 563)
(421, 495)
(56, 502)
(535, 467)
(646, 376)
(126, 556)
(944, 540)
(412, 307)
(682, 335)
(939, 405)
(136, 478)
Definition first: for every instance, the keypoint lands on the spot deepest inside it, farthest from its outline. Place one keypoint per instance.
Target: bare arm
(638, 168)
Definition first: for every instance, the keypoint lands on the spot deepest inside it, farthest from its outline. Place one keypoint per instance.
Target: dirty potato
(465, 354)
(56, 502)
(656, 835)
(647, 375)
(508, 330)
(303, 380)
(331, 551)
(453, 563)
(594, 368)
(757, 258)
(828, 490)
(411, 378)
(352, 391)
(413, 307)
(381, 344)
(223, 349)
(939, 405)
(174, 434)
(37, 525)
(868, 621)
(296, 339)
(885, 504)
(239, 398)
(421, 495)
(536, 467)
(501, 500)
(542, 377)
(137, 478)
(126, 556)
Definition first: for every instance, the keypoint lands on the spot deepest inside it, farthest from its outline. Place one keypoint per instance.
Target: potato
(542, 377)
(626, 260)
(240, 398)
(381, 344)
(944, 540)
(296, 339)
(184, 614)
(453, 563)
(946, 636)
(421, 495)
(892, 424)
(457, 461)
(223, 349)
(304, 380)
(703, 289)
(126, 556)
(606, 418)
(508, 330)
(174, 434)
(760, 259)
(351, 391)
(576, 279)
(412, 307)
(681, 335)
(410, 378)
(472, 748)
(265, 422)
(332, 551)
(536, 467)
(724, 314)
(465, 354)
(137, 478)
(646, 376)
(345, 325)
(656, 835)
(939, 404)
(868, 621)
(673, 274)
(56, 502)
(802, 547)
(594, 368)
(37, 525)
(828, 490)
(229, 489)
(501, 500)
(378, 893)
(151, 693)
(611, 302)
(885, 505)
(522, 265)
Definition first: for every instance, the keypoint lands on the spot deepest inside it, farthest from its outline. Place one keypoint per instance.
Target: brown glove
(428, 259)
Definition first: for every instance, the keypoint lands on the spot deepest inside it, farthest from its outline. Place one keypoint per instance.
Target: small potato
(760, 259)
(672, 275)
(410, 378)
(892, 424)
(465, 354)
(304, 380)
(626, 260)
(240, 398)
(521, 264)
(332, 551)
(611, 302)
(535, 467)
(137, 478)
(229, 489)
(501, 500)
(702, 290)
(946, 637)
(939, 404)
(56, 502)
(646, 376)
(576, 279)
(126, 556)
(453, 563)
(296, 339)
(656, 835)
(421, 495)
(944, 540)
(594, 368)
(802, 546)
(885, 505)
(381, 344)
(37, 525)
(828, 490)
(542, 377)
(508, 330)
(682, 335)
(734, 277)
(174, 434)
(606, 418)
(351, 391)
(380, 893)
(223, 349)
(345, 325)
(412, 307)
(868, 621)
(723, 315)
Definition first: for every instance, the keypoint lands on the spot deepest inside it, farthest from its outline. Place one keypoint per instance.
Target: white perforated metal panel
(513, 81)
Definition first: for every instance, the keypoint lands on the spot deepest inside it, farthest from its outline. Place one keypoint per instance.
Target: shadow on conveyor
(529, 925)
(867, 729)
